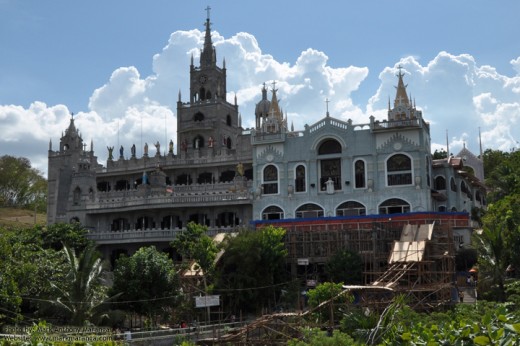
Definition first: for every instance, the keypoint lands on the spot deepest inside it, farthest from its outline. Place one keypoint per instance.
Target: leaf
(482, 340)
(406, 336)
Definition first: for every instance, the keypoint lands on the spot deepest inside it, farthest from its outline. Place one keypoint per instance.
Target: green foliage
(497, 243)
(147, 281)
(494, 326)
(21, 185)
(81, 295)
(252, 268)
(317, 337)
(324, 292)
(502, 173)
(345, 266)
(195, 244)
(439, 154)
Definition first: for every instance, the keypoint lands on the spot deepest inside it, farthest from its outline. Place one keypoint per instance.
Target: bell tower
(207, 123)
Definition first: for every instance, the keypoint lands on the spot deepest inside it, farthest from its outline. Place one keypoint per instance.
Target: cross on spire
(400, 68)
(327, 105)
(207, 10)
(274, 85)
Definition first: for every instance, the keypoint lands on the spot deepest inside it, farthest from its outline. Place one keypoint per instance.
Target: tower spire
(400, 96)
(208, 55)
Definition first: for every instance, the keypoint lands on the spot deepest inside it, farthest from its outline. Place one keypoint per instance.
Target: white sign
(303, 261)
(205, 301)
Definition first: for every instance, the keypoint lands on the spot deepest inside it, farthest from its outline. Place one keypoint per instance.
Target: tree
(324, 292)
(195, 244)
(345, 266)
(21, 185)
(498, 242)
(81, 295)
(147, 281)
(252, 269)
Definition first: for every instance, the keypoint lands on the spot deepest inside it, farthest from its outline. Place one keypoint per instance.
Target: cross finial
(72, 115)
(274, 85)
(327, 105)
(207, 10)
(400, 68)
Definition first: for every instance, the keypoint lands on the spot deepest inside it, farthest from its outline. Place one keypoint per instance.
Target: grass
(15, 217)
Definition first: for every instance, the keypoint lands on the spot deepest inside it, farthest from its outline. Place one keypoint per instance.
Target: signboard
(303, 261)
(311, 283)
(205, 301)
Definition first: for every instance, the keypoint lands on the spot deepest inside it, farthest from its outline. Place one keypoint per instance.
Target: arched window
(228, 120)
(350, 208)
(309, 210)
(208, 95)
(399, 170)
(74, 219)
(440, 183)
(330, 146)
(198, 116)
(272, 213)
(394, 206)
(453, 186)
(228, 143)
(299, 181)
(76, 199)
(202, 93)
(330, 168)
(270, 179)
(360, 174)
(198, 142)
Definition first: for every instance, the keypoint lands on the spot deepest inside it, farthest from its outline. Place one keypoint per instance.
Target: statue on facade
(211, 142)
(110, 150)
(157, 148)
(132, 150)
(330, 186)
(170, 148)
(121, 151)
(145, 149)
(184, 145)
(240, 169)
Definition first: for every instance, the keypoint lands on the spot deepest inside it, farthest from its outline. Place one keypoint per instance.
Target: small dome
(262, 107)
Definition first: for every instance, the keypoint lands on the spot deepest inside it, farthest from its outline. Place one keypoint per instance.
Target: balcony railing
(147, 235)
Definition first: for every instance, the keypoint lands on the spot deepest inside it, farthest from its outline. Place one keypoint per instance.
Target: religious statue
(240, 169)
(184, 145)
(158, 148)
(132, 150)
(197, 141)
(170, 149)
(121, 151)
(110, 150)
(145, 149)
(145, 178)
(211, 142)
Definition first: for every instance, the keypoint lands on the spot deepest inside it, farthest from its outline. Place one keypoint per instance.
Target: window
(299, 181)
(330, 146)
(399, 170)
(309, 210)
(440, 183)
(330, 169)
(272, 213)
(228, 120)
(76, 196)
(442, 208)
(205, 178)
(394, 206)
(359, 174)
(270, 180)
(227, 219)
(198, 142)
(227, 176)
(198, 116)
(453, 186)
(350, 208)
(122, 185)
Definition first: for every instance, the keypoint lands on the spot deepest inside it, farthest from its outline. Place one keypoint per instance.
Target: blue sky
(115, 63)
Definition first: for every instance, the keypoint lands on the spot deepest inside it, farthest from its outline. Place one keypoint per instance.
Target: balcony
(147, 235)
